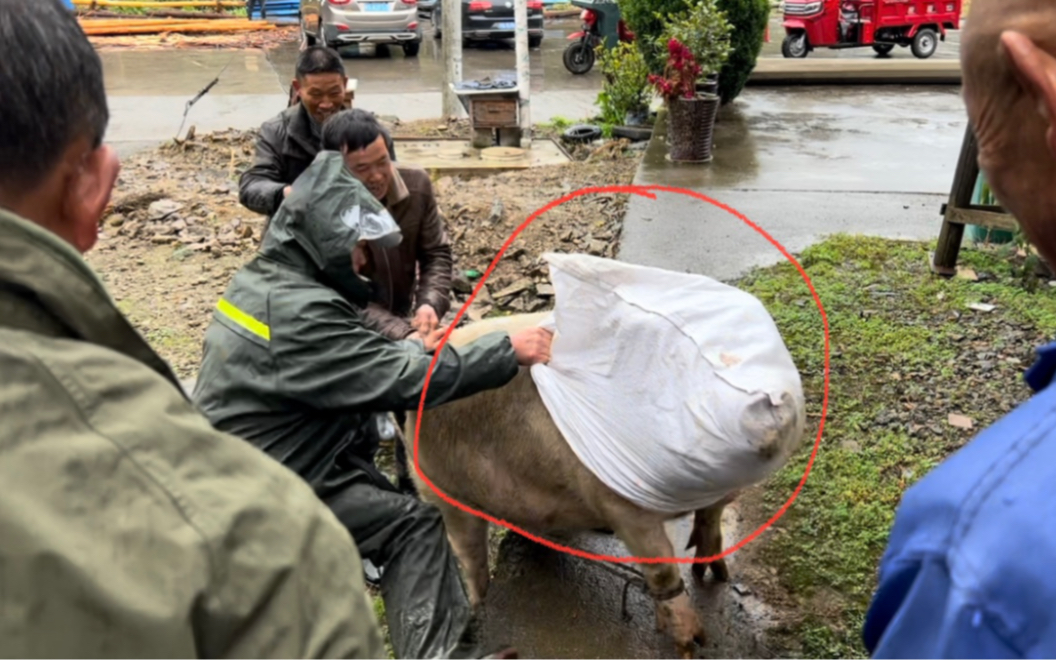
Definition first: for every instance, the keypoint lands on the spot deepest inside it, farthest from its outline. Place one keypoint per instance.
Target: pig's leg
(707, 538)
(469, 539)
(674, 611)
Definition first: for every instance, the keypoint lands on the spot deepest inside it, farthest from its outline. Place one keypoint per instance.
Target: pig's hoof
(687, 650)
(719, 570)
(699, 571)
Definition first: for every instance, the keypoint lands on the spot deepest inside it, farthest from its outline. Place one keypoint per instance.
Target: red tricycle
(882, 24)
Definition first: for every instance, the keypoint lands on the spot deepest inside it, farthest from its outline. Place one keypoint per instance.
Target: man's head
(364, 142)
(54, 168)
(320, 82)
(1010, 91)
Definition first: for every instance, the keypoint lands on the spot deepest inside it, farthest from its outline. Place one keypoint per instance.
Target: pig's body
(500, 452)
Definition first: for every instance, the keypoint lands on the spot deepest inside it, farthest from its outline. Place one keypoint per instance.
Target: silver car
(337, 23)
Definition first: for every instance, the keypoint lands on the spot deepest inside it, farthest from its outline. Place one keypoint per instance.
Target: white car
(337, 23)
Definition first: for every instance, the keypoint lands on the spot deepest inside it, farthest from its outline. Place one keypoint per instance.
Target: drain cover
(502, 153)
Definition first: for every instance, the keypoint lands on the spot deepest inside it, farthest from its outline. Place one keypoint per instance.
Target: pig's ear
(1036, 70)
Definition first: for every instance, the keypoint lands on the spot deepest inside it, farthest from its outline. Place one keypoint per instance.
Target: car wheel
(535, 42)
(410, 48)
(883, 49)
(925, 43)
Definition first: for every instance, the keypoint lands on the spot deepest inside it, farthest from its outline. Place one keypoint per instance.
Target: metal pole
(524, 76)
(452, 53)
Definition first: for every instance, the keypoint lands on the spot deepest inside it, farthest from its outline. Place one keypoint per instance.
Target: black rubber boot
(425, 601)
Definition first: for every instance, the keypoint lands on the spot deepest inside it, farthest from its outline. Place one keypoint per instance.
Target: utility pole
(524, 74)
(451, 37)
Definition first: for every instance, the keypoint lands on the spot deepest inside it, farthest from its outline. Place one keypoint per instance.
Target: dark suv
(492, 20)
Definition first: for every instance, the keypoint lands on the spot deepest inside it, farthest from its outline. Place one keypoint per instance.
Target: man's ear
(88, 194)
(1036, 70)
(297, 86)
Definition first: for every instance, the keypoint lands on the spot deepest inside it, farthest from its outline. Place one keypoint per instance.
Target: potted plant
(691, 114)
(704, 29)
(624, 97)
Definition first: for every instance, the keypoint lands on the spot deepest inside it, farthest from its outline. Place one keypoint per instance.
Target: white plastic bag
(673, 389)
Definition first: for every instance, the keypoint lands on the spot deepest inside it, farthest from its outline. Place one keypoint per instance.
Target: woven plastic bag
(673, 389)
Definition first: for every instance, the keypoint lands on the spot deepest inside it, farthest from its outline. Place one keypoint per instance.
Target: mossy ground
(906, 351)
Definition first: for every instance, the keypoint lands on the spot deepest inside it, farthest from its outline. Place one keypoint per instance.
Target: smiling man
(289, 142)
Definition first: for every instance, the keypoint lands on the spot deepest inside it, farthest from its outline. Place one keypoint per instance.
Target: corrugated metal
(279, 9)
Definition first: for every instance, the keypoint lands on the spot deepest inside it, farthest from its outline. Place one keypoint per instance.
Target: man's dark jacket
(286, 146)
(288, 362)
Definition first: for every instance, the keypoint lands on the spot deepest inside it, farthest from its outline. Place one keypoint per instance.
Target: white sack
(673, 389)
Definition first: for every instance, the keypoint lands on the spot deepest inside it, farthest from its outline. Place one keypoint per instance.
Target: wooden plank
(159, 4)
(944, 260)
(982, 219)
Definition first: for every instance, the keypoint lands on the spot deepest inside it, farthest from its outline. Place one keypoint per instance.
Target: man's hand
(286, 191)
(532, 346)
(425, 320)
(430, 339)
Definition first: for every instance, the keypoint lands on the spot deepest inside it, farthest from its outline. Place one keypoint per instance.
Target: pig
(500, 452)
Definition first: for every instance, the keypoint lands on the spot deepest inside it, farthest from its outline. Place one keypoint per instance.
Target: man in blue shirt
(969, 570)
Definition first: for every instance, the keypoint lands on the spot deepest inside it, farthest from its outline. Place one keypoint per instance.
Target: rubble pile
(482, 214)
(185, 194)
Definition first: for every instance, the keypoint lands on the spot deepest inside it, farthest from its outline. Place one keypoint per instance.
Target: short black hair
(319, 59)
(52, 90)
(353, 130)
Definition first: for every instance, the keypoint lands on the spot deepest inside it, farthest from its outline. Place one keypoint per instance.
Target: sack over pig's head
(327, 223)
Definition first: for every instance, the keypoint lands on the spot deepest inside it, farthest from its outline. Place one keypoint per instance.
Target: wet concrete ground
(148, 90)
(548, 604)
(802, 163)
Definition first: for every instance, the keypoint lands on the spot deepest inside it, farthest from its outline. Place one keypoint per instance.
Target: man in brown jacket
(129, 527)
(413, 279)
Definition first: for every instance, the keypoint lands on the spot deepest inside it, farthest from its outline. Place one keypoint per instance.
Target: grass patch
(906, 351)
(383, 623)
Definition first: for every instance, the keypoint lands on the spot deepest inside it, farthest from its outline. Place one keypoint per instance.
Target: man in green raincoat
(290, 365)
(129, 527)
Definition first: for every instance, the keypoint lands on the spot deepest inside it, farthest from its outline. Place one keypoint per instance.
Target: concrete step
(846, 71)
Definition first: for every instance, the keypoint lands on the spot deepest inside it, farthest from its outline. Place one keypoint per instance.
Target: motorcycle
(601, 23)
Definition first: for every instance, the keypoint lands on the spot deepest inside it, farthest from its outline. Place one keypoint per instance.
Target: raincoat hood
(327, 212)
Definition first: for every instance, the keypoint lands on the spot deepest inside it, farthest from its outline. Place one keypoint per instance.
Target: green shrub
(646, 19)
(702, 27)
(749, 19)
(649, 20)
(626, 82)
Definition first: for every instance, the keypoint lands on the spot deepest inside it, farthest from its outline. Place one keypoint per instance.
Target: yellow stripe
(244, 320)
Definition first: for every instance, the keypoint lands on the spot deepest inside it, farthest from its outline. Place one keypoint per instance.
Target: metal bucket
(691, 128)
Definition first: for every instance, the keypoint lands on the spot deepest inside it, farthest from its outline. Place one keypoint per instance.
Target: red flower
(680, 74)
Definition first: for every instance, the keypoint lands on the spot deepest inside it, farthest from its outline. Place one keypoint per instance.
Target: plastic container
(983, 195)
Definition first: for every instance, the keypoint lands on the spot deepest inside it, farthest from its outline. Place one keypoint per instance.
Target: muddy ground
(176, 233)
